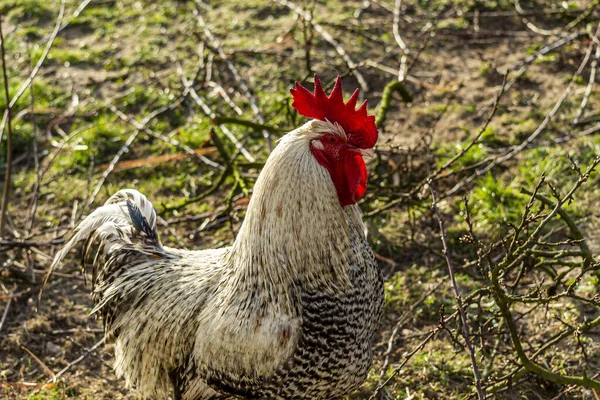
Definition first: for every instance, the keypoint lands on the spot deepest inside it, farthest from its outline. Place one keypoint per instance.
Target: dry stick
(402, 72)
(78, 11)
(432, 333)
(503, 301)
(5, 313)
(206, 109)
(522, 66)
(590, 131)
(546, 32)
(238, 78)
(589, 87)
(531, 26)
(457, 295)
(516, 150)
(405, 360)
(327, 36)
(80, 358)
(543, 11)
(8, 172)
(225, 96)
(435, 174)
(122, 151)
(139, 128)
(26, 84)
(401, 321)
(34, 200)
(44, 367)
(165, 139)
(72, 363)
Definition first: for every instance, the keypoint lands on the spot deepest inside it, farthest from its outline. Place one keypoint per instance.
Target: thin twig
(9, 138)
(165, 139)
(517, 149)
(457, 294)
(327, 36)
(44, 367)
(78, 359)
(401, 321)
(34, 200)
(29, 80)
(402, 72)
(5, 313)
(589, 87)
(122, 151)
(206, 109)
(438, 172)
(238, 78)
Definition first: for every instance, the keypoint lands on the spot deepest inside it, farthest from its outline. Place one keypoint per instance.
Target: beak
(367, 153)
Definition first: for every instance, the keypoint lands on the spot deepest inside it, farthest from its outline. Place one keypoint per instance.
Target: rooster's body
(288, 311)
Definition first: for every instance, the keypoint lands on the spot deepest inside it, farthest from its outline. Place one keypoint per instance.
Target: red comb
(359, 126)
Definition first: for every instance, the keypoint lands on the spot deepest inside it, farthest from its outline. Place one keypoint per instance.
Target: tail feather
(126, 220)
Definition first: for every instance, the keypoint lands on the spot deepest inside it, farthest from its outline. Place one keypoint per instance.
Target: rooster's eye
(331, 139)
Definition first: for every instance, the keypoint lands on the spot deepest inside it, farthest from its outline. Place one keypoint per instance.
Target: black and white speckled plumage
(287, 312)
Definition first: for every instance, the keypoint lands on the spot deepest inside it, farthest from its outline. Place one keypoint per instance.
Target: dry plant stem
(401, 321)
(228, 171)
(71, 364)
(206, 109)
(402, 71)
(405, 360)
(8, 173)
(34, 200)
(241, 82)
(420, 346)
(503, 300)
(589, 87)
(122, 151)
(517, 149)
(44, 367)
(165, 139)
(457, 295)
(435, 174)
(224, 95)
(586, 253)
(80, 358)
(327, 36)
(76, 14)
(531, 26)
(5, 313)
(557, 31)
(29, 80)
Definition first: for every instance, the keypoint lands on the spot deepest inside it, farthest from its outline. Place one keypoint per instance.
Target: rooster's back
(148, 296)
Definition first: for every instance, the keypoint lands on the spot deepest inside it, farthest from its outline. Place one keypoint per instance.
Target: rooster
(287, 312)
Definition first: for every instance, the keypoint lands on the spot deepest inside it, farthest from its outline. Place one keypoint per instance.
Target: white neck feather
(295, 228)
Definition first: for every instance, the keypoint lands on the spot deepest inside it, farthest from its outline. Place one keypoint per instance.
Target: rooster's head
(341, 136)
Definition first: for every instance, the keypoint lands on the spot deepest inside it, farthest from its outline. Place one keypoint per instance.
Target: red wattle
(349, 175)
